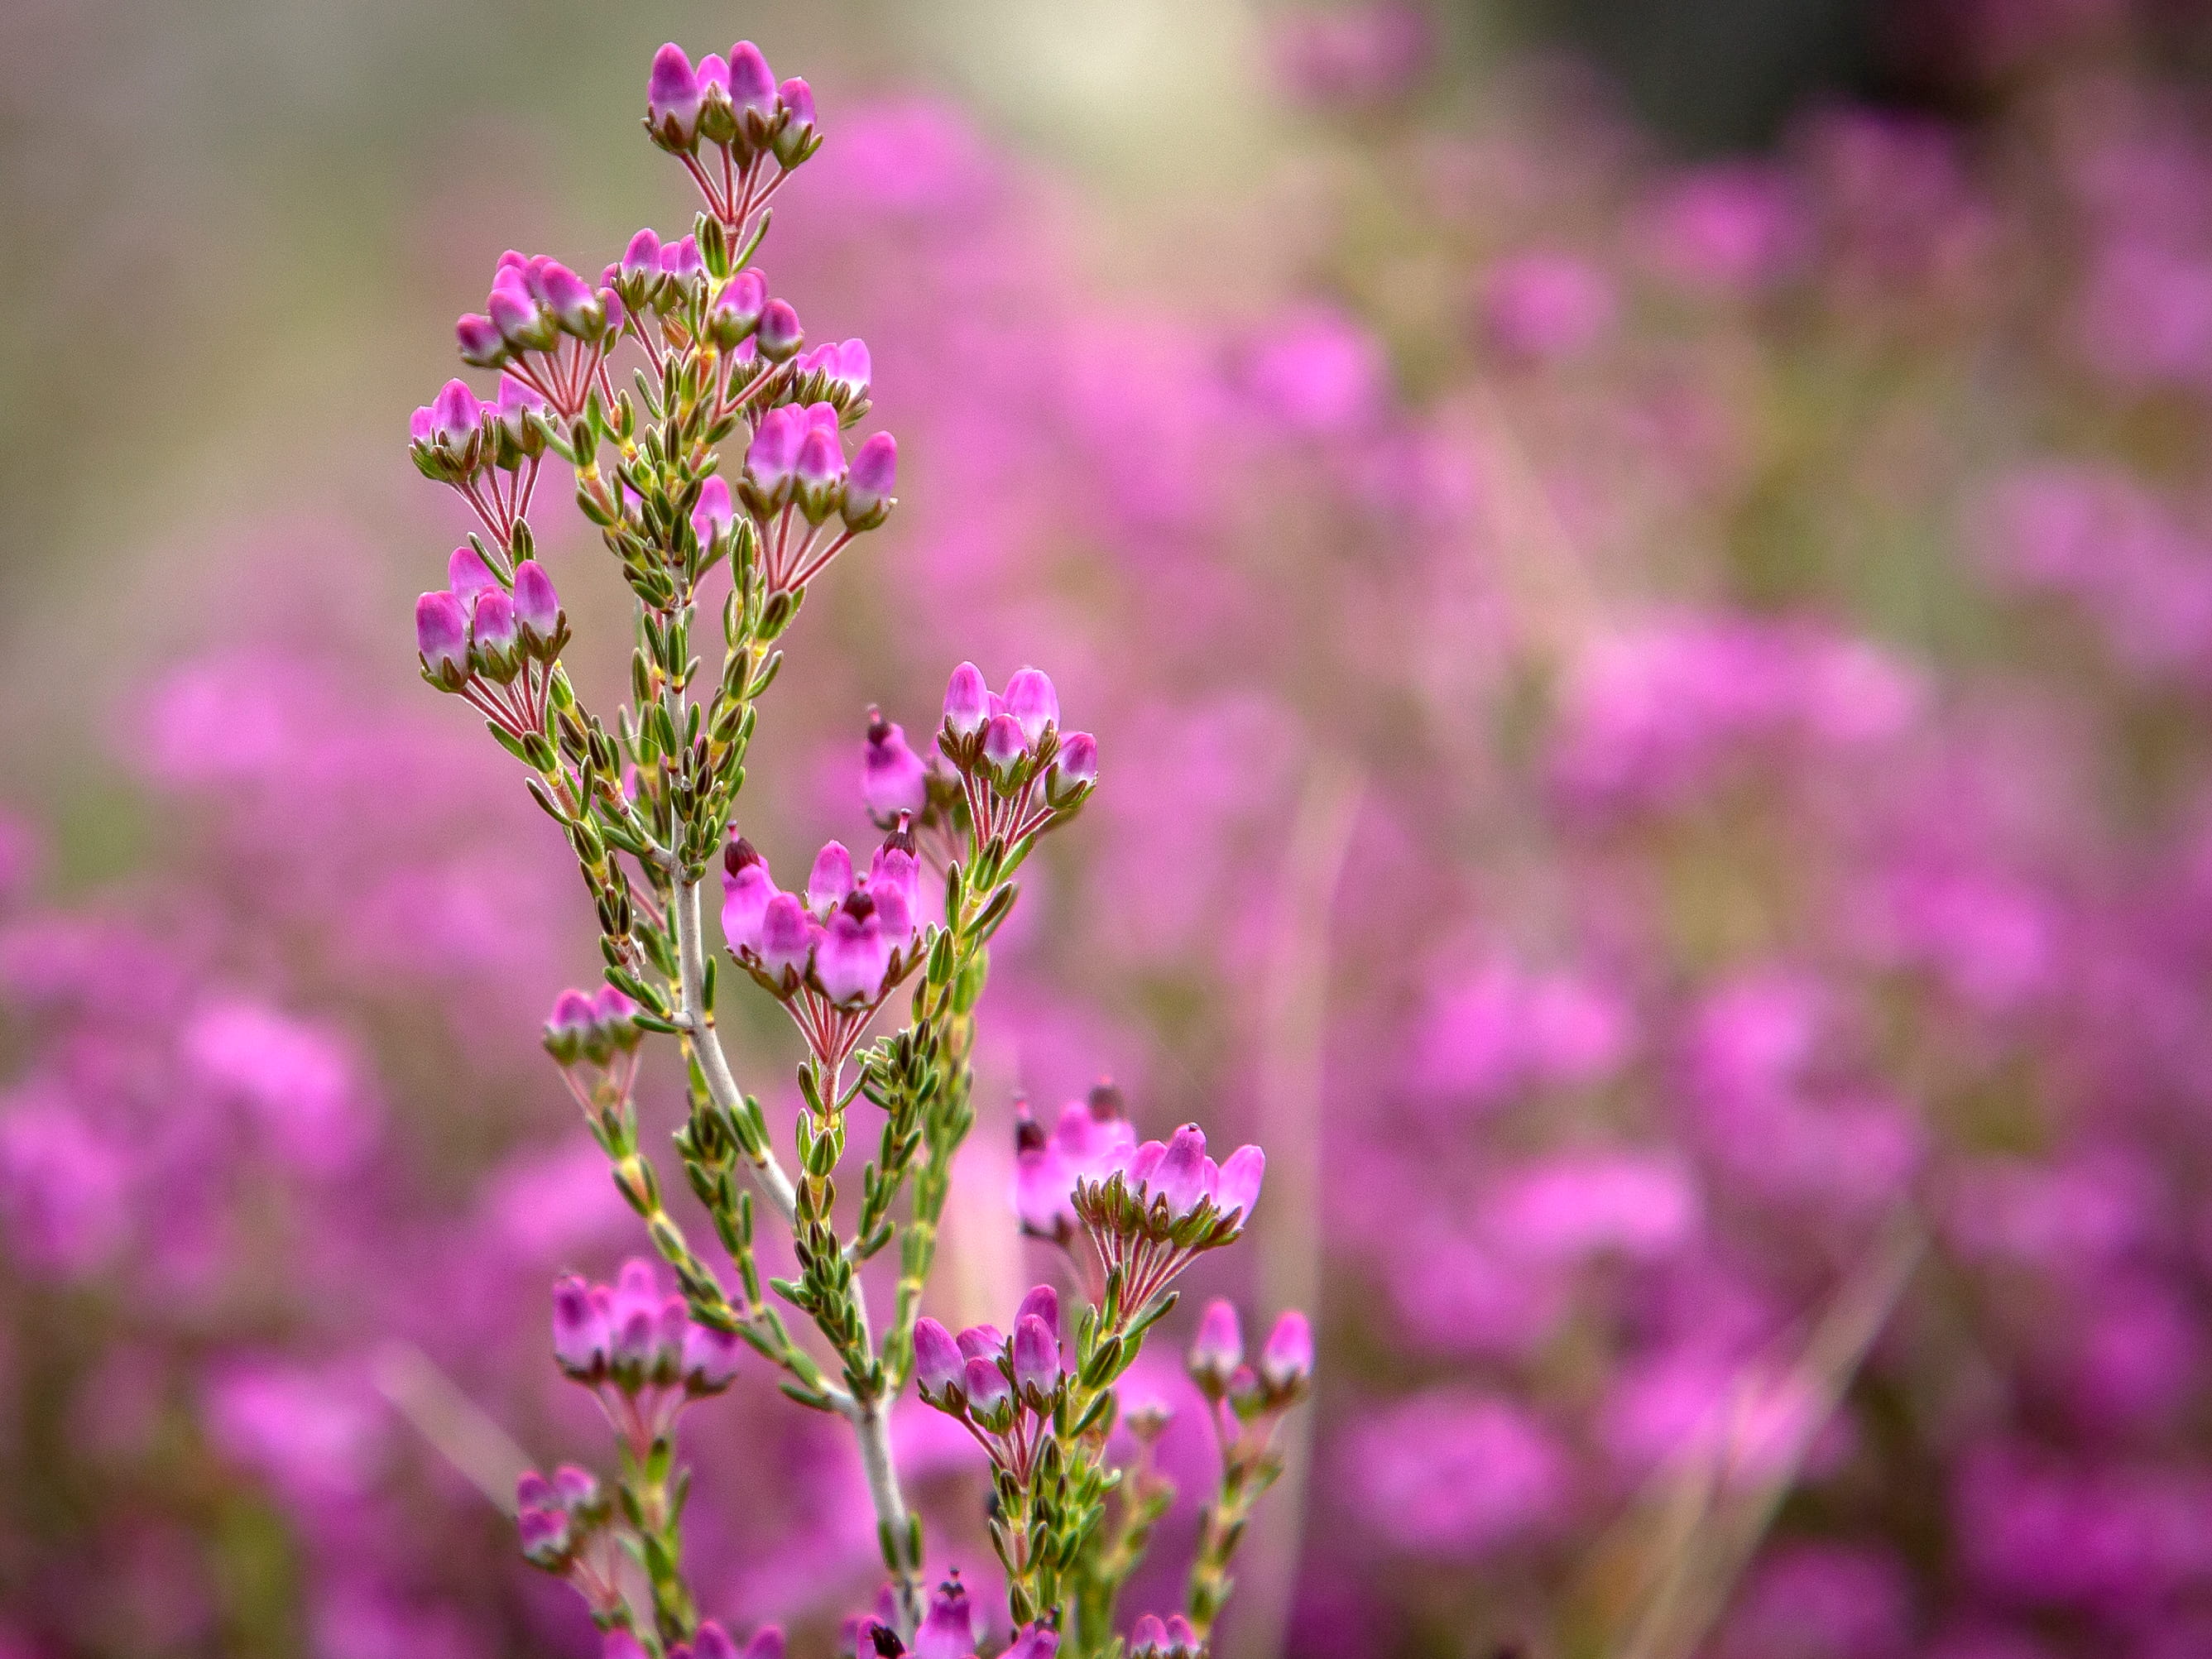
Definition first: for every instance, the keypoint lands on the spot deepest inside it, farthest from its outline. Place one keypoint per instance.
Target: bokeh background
(1643, 574)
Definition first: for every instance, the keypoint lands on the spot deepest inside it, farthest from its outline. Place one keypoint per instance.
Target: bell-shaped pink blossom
(1218, 1349)
(987, 1388)
(787, 937)
(937, 1363)
(672, 97)
(455, 414)
(468, 575)
(1004, 744)
(853, 957)
(779, 336)
(713, 515)
(870, 480)
(641, 259)
(746, 891)
(967, 701)
(831, 879)
(1078, 759)
(491, 624)
(710, 1359)
(580, 1335)
(442, 632)
(772, 458)
(893, 779)
(1033, 703)
(537, 606)
(479, 338)
(1286, 1358)
(752, 84)
(1036, 1356)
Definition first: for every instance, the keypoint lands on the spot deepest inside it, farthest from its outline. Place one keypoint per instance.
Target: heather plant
(647, 808)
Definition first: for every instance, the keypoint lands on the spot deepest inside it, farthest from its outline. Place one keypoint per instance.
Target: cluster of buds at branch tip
(594, 1038)
(733, 107)
(1020, 773)
(490, 452)
(1003, 1389)
(638, 1351)
(1150, 1211)
(566, 1527)
(948, 1630)
(548, 328)
(1090, 1140)
(796, 474)
(1264, 1389)
(832, 954)
(493, 643)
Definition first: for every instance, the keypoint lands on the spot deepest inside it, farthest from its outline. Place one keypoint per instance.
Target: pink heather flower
(779, 336)
(1286, 1357)
(441, 633)
(894, 886)
(949, 1627)
(752, 84)
(746, 891)
(938, 1363)
(491, 622)
(967, 701)
(798, 98)
(1733, 228)
(869, 484)
(1042, 1303)
(710, 1359)
(1218, 1349)
(893, 779)
(672, 97)
(981, 1342)
(787, 937)
(1180, 1176)
(641, 259)
(1544, 307)
(1004, 744)
(772, 457)
(537, 606)
(849, 366)
(680, 259)
(713, 517)
(455, 414)
(818, 469)
(1036, 1358)
(1238, 1186)
(853, 957)
(580, 1334)
(567, 296)
(1033, 703)
(831, 879)
(1078, 759)
(468, 576)
(985, 1386)
(516, 403)
(63, 1186)
(514, 314)
(739, 307)
(1033, 1642)
(480, 339)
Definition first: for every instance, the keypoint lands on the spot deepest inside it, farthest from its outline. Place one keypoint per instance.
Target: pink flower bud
(571, 300)
(850, 367)
(779, 336)
(967, 701)
(1179, 1177)
(710, 1359)
(712, 516)
(766, 1643)
(1218, 1349)
(1032, 702)
(1148, 1636)
(982, 1342)
(672, 97)
(893, 779)
(794, 140)
(491, 623)
(937, 1361)
(787, 937)
(455, 414)
(441, 635)
(988, 1391)
(854, 957)
(819, 470)
(798, 99)
(831, 879)
(1238, 1187)
(1037, 1358)
(468, 575)
(868, 485)
(1078, 760)
(1033, 1642)
(1286, 1360)
(1004, 745)
(537, 606)
(738, 307)
(773, 455)
(1042, 1303)
(569, 1026)
(480, 340)
(513, 313)
(1143, 1161)
(714, 76)
(711, 1641)
(641, 259)
(517, 402)
(580, 1329)
(752, 84)
(1181, 1637)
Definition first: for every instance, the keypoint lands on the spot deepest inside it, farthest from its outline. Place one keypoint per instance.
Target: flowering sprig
(645, 804)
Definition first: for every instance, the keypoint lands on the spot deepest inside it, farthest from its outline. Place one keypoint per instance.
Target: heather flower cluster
(647, 809)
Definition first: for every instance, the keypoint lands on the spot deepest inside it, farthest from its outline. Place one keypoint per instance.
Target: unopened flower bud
(772, 458)
(671, 99)
(738, 308)
(492, 630)
(787, 938)
(680, 261)
(1148, 1638)
(468, 575)
(938, 1365)
(718, 122)
(567, 1025)
(711, 1641)
(455, 415)
(1032, 701)
(1217, 1349)
(1004, 746)
(537, 606)
(1036, 1359)
(779, 336)
(1286, 1360)
(869, 484)
(482, 345)
(795, 138)
(441, 635)
(1042, 1303)
(1077, 763)
(767, 1644)
(574, 305)
(818, 473)
(967, 701)
(514, 314)
(850, 367)
(1180, 1176)
(831, 879)
(752, 90)
(640, 260)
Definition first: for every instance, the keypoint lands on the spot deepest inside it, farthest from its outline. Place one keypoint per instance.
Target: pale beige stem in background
(450, 1421)
(1287, 1224)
